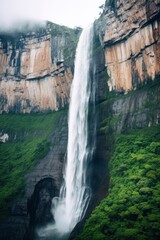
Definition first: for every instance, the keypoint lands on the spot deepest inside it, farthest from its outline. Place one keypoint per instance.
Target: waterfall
(69, 208)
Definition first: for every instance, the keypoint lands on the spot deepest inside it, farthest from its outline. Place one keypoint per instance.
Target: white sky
(70, 13)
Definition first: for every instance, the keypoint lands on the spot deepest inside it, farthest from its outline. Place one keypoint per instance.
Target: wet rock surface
(129, 32)
(33, 76)
(42, 184)
(39, 205)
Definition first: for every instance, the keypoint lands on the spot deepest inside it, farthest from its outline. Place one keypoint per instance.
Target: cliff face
(41, 182)
(130, 33)
(33, 76)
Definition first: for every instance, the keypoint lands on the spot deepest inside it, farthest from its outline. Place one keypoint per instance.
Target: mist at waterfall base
(69, 208)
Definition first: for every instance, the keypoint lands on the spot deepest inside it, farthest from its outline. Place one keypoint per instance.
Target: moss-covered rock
(29, 141)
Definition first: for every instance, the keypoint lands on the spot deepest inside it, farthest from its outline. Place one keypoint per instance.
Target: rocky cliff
(33, 76)
(130, 34)
(41, 182)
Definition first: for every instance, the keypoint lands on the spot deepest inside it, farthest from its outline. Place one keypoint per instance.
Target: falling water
(69, 208)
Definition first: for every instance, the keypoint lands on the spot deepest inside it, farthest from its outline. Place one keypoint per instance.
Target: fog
(71, 13)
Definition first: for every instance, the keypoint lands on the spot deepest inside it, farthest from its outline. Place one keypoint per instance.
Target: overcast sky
(70, 13)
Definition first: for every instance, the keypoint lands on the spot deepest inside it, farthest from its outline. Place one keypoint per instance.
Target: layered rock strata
(130, 34)
(33, 76)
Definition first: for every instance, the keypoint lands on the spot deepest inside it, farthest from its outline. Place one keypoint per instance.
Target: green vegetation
(57, 29)
(29, 136)
(70, 49)
(132, 208)
(152, 89)
(71, 36)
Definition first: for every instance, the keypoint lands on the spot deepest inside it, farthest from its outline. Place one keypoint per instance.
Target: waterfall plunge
(69, 208)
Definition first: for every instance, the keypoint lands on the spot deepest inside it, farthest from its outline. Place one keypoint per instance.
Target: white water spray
(69, 208)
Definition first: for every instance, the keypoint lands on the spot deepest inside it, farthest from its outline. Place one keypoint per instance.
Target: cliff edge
(36, 68)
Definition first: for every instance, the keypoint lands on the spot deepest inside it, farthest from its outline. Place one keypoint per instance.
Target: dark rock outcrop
(42, 183)
(135, 110)
(122, 112)
(39, 206)
(52, 164)
(127, 46)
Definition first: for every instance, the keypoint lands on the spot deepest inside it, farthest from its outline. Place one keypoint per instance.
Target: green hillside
(132, 208)
(28, 142)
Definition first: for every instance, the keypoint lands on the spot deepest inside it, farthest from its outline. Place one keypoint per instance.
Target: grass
(28, 142)
(132, 208)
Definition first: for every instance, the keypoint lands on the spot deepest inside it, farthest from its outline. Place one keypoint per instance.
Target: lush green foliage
(72, 36)
(28, 142)
(70, 49)
(132, 208)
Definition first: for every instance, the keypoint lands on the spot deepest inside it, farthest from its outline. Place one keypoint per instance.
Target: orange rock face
(36, 60)
(131, 38)
(31, 79)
